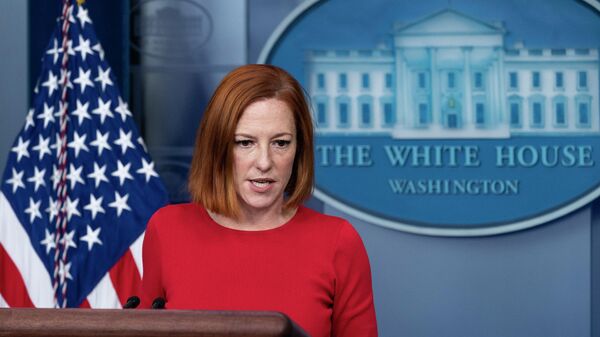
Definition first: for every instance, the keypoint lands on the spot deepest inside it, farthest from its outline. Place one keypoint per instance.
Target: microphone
(158, 303)
(132, 302)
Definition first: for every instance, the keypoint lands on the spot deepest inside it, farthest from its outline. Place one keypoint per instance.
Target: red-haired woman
(246, 242)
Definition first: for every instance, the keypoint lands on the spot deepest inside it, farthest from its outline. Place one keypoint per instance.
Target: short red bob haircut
(211, 173)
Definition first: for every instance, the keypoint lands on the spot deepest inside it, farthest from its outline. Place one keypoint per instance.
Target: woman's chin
(260, 203)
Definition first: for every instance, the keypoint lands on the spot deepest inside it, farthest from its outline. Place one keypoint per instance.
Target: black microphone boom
(132, 302)
(158, 303)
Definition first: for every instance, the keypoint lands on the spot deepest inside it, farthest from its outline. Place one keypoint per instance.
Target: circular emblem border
(424, 230)
(141, 50)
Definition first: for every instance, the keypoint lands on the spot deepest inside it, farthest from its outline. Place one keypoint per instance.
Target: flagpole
(61, 220)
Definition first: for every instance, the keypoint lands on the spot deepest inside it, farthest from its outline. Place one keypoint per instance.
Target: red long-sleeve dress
(314, 268)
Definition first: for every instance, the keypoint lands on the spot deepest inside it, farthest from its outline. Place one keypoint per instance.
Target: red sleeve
(353, 309)
(151, 259)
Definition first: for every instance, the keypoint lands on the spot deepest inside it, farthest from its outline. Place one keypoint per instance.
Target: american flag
(79, 185)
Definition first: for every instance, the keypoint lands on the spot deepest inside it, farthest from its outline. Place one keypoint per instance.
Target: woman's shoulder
(335, 232)
(324, 222)
(176, 213)
(177, 210)
(310, 214)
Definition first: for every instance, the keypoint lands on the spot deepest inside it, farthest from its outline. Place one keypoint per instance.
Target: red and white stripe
(25, 282)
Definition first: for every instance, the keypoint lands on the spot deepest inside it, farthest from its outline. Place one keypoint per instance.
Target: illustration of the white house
(450, 76)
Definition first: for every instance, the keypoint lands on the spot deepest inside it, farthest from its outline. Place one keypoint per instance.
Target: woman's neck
(255, 220)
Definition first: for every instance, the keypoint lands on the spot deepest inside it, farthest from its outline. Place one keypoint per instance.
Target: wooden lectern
(145, 323)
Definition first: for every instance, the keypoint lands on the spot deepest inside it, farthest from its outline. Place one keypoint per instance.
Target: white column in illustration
(399, 94)
(503, 116)
(468, 106)
(435, 88)
(491, 87)
(409, 112)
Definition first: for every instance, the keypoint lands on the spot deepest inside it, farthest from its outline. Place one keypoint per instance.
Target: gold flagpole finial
(80, 2)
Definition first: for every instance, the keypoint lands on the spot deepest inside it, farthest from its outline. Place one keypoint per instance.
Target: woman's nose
(264, 161)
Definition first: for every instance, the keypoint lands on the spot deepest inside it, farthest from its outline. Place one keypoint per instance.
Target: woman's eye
(244, 142)
(282, 143)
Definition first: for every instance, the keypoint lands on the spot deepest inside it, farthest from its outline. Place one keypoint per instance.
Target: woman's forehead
(267, 116)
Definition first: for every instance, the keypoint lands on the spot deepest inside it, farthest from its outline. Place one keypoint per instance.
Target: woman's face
(263, 155)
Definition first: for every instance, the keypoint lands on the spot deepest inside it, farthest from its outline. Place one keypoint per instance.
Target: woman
(246, 242)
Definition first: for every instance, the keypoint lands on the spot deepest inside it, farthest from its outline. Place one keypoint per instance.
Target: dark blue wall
(539, 282)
